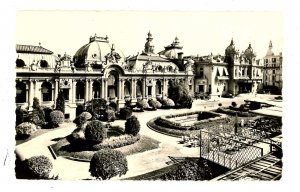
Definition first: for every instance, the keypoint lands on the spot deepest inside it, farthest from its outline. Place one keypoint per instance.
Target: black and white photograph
(148, 95)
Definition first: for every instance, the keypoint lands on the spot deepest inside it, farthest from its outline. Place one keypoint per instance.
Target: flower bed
(231, 112)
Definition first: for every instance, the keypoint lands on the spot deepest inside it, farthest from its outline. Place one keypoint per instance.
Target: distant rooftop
(32, 49)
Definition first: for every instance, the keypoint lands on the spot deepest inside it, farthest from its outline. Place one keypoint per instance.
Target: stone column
(165, 88)
(119, 89)
(86, 94)
(31, 94)
(132, 88)
(144, 88)
(73, 91)
(56, 90)
(105, 89)
(102, 88)
(36, 88)
(91, 89)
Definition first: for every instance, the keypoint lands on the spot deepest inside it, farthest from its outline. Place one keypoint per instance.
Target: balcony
(222, 77)
(79, 101)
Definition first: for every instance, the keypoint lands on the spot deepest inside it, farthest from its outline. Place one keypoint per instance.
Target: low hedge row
(233, 112)
(168, 124)
(116, 142)
(172, 132)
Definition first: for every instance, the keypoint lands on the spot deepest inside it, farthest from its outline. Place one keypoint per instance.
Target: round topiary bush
(95, 132)
(142, 104)
(21, 115)
(38, 167)
(132, 126)
(57, 117)
(125, 113)
(108, 163)
(154, 103)
(25, 129)
(167, 102)
(47, 112)
(86, 115)
(111, 115)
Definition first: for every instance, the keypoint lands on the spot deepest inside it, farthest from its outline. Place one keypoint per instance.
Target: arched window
(44, 63)
(21, 92)
(20, 63)
(96, 89)
(170, 68)
(46, 91)
(127, 89)
(112, 86)
(158, 87)
(139, 89)
(79, 90)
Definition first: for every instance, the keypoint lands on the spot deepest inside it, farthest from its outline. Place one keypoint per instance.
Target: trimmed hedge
(168, 124)
(154, 103)
(167, 102)
(95, 132)
(233, 112)
(57, 117)
(116, 142)
(21, 115)
(110, 115)
(125, 113)
(38, 167)
(108, 163)
(132, 126)
(25, 129)
(142, 104)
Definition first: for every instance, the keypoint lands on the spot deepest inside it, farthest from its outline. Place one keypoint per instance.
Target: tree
(38, 167)
(60, 102)
(108, 163)
(95, 132)
(38, 115)
(179, 93)
(96, 106)
(132, 125)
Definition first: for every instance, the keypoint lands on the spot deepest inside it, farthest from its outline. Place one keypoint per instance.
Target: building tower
(149, 47)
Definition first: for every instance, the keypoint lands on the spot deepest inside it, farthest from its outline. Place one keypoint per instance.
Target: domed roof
(97, 50)
(249, 51)
(171, 51)
(230, 49)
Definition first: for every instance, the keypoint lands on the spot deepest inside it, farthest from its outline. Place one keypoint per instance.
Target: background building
(98, 70)
(272, 71)
(234, 73)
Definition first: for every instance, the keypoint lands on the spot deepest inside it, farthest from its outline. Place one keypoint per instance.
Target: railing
(226, 151)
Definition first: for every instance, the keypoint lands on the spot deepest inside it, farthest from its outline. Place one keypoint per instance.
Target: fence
(227, 151)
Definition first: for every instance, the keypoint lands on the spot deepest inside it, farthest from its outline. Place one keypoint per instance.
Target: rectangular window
(66, 94)
(201, 88)
(149, 90)
(201, 73)
(273, 60)
(224, 88)
(266, 60)
(190, 87)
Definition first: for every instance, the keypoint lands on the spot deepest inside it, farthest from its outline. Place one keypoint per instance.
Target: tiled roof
(147, 57)
(32, 49)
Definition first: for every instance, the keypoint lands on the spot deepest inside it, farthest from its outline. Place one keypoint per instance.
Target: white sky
(199, 32)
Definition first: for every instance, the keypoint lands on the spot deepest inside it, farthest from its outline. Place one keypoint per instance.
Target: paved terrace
(138, 163)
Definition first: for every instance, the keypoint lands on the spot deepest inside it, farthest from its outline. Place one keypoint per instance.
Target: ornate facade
(273, 69)
(98, 70)
(233, 73)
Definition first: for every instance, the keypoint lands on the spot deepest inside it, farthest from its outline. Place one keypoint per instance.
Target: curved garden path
(138, 163)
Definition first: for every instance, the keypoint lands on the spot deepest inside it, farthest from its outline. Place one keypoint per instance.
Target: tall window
(96, 89)
(149, 90)
(274, 60)
(201, 73)
(266, 60)
(21, 93)
(47, 91)
(80, 90)
(139, 90)
(158, 87)
(127, 89)
(66, 94)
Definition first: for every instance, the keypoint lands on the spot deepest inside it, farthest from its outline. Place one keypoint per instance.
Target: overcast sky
(199, 32)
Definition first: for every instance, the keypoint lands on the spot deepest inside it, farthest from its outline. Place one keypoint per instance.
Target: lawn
(42, 131)
(62, 148)
(188, 169)
(227, 123)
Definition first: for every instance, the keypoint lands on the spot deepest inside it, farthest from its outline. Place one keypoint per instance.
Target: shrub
(254, 105)
(47, 112)
(116, 142)
(21, 115)
(60, 102)
(154, 103)
(95, 132)
(168, 124)
(36, 103)
(167, 102)
(206, 115)
(38, 167)
(95, 106)
(57, 117)
(79, 109)
(38, 116)
(113, 106)
(142, 104)
(125, 113)
(233, 104)
(110, 115)
(185, 101)
(132, 126)
(108, 163)
(25, 129)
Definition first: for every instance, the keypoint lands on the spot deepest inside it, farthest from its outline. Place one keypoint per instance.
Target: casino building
(234, 73)
(98, 70)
